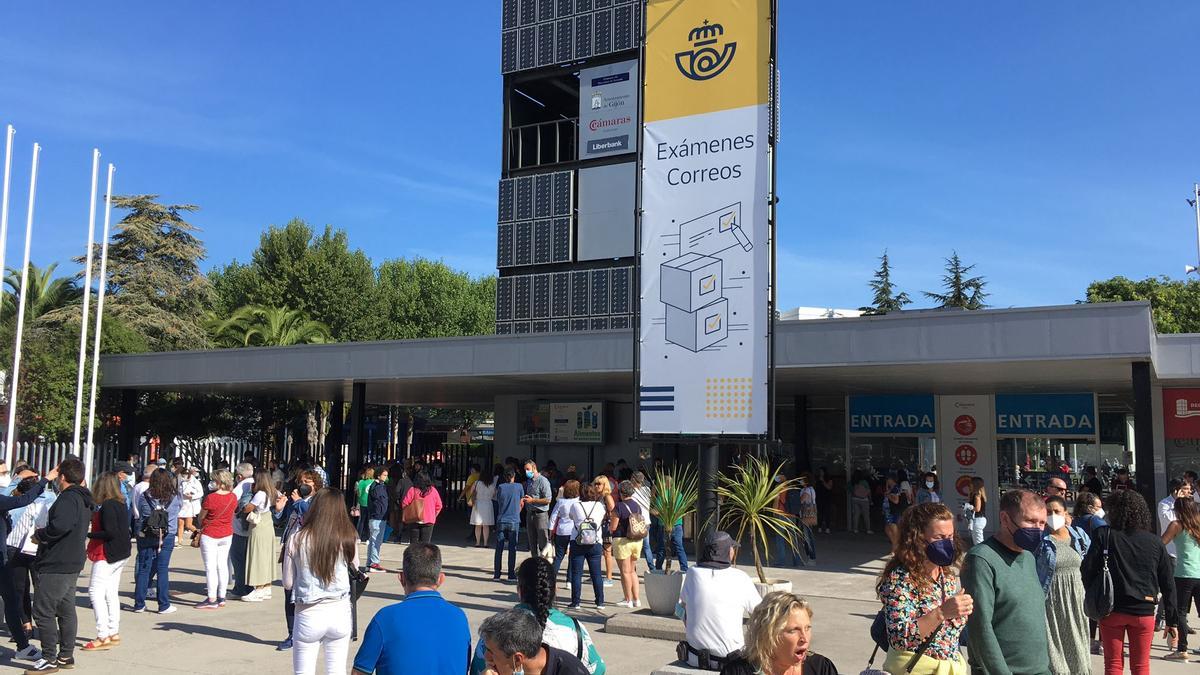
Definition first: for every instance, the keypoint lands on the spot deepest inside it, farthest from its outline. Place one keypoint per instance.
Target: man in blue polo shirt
(422, 634)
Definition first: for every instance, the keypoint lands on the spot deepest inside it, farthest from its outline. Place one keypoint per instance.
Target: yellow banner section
(706, 55)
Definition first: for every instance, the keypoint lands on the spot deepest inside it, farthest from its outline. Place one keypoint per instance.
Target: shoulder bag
(1098, 594)
(414, 513)
(358, 581)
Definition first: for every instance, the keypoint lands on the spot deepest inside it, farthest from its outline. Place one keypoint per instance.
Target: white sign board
(608, 109)
(967, 448)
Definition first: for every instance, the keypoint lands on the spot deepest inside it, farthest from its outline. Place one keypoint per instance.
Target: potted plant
(748, 499)
(675, 494)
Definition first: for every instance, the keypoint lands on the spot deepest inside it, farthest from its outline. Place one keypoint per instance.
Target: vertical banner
(966, 449)
(704, 244)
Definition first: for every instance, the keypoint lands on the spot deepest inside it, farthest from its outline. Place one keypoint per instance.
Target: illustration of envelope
(708, 284)
(712, 324)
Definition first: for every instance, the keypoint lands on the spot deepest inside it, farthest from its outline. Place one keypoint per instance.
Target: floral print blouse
(903, 604)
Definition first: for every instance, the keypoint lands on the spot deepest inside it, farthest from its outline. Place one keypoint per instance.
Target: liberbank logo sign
(1047, 415)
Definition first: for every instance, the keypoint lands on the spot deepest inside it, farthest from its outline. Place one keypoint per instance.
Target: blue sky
(1050, 145)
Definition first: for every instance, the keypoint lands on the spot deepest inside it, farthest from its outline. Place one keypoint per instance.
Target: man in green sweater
(1007, 632)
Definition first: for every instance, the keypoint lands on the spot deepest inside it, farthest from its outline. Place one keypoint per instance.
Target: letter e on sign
(964, 425)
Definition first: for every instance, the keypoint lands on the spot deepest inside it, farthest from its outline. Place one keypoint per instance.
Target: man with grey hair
(513, 644)
(244, 491)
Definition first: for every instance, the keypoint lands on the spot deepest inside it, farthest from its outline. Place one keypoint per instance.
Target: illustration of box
(699, 329)
(690, 281)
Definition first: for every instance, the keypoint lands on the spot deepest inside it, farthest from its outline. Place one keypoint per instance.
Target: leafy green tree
(1174, 304)
(155, 285)
(426, 299)
(885, 299)
(47, 294)
(259, 326)
(962, 290)
(317, 275)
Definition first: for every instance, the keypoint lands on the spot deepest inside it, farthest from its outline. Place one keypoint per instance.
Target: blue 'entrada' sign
(1050, 415)
(892, 414)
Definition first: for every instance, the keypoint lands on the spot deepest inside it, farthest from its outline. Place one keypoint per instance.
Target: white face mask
(5, 479)
(1056, 521)
(929, 484)
(1099, 513)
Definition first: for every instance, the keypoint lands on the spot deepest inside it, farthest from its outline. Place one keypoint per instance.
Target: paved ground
(241, 638)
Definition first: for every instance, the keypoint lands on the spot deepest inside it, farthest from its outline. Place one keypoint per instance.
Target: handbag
(358, 582)
(414, 513)
(1099, 596)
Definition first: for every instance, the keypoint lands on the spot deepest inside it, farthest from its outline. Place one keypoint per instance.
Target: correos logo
(707, 58)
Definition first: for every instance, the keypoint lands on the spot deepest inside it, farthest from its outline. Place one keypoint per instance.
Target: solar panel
(543, 195)
(579, 293)
(602, 32)
(563, 200)
(520, 327)
(521, 297)
(580, 325)
(504, 202)
(618, 322)
(503, 328)
(504, 245)
(545, 44)
(565, 8)
(564, 40)
(541, 326)
(560, 326)
(582, 6)
(619, 301)
(509, 14)
(508, 51)
(546, 10)
(623, 28)
(504, 298)
(599, 323)
(523, 243)
(528, 12)
(541, 296)
(524, 197)
(601, 4)
(637, 25)
(561, 241)
(583, 36)
(600, 293)
(543, 249)
(527, 48)
(560, 294)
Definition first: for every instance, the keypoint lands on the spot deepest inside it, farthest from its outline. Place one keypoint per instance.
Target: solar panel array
(535, 219)
(538, 33)
(559, 302)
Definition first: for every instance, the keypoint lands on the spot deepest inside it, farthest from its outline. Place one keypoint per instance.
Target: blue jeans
(159, 560)
(676, 543)
(377, 528)
(506, 537)
(648, 550)
(561, 542)
(237, 564)
(363, 532)
(575, 569)
(785, 553)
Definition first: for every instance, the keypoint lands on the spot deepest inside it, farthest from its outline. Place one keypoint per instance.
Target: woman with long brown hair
(604, 496)
(923, 599)
(261, 556)
(156, 539)
(315, 572)
(108, 549)
(1185, 532)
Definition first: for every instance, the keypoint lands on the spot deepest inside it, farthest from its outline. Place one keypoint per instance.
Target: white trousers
(103, 590)
(322, 623)
(977, 526)
(215, 553)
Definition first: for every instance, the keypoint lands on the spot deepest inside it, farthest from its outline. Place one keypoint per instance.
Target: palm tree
(748, 498)
(262, 326)
(46, 293)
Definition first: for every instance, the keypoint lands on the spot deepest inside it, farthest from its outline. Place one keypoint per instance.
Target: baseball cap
(123, 467)
(718, 552)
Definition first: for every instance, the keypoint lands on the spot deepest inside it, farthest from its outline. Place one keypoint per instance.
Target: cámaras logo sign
(707, 58)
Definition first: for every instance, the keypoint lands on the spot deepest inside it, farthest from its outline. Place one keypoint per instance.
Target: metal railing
(543, 144)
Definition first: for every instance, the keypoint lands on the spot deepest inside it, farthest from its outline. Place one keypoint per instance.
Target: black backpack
(157, 523)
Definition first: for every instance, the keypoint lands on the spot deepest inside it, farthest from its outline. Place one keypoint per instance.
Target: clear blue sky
(1051, 145)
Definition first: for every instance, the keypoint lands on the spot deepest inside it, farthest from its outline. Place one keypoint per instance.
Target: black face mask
(1028, 538)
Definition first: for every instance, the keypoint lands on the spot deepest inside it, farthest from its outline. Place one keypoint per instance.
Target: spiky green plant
(676, 492)
(748, 497)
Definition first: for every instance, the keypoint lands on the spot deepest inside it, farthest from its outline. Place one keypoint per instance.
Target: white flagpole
(90, 449)
(8, 146)
(87, 296)
(16, 369)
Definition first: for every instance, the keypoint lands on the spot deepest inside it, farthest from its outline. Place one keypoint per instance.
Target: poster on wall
(704, 247)
(1181, 430)
(608, 109)
(552, 422)
(966, 449)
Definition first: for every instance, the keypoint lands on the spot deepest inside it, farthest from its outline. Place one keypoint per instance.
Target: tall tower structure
(565, 227)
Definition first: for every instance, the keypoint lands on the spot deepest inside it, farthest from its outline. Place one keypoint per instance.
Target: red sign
(1181, 413)
(963, 485)
(966, 454)
(964, 425)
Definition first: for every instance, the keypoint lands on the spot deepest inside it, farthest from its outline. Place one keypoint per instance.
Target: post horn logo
(706, 59)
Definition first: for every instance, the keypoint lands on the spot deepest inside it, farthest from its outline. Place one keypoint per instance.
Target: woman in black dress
(779, 640)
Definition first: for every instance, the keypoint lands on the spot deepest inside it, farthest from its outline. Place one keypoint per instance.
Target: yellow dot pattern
(728, 397)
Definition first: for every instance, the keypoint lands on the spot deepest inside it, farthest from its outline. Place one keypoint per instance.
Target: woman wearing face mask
(922, 596)
(778, 640)
(1088, 514)
(1141, 570)
(1184, 532)
(928, 494)
(1058, 562)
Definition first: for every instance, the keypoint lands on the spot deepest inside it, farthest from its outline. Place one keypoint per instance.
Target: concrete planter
(662, 591)
(772, 586)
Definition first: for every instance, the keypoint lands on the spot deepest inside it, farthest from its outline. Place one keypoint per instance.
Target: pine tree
(962, 291)
(886, 299)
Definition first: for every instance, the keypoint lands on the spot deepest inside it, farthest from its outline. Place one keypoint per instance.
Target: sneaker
(599, 605)
(252, 596)
(30, 653)
(625, 603)
(169, 609)
(376, 567)
(206, 604)
(573, 606)
(608, 583)
(637, 603)
(65, 662)
(1177, 656)
(42, 666)
(284, 646)
(220, 602)
(138, 610)
(235, 596)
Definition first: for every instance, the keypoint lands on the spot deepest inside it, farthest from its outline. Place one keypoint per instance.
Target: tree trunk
(313, 432)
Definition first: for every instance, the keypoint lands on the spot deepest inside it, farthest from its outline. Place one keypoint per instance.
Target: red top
(433, 503)
(95, 547)
(218, 515)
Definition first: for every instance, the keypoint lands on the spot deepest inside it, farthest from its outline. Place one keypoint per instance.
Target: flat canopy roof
(1086, 347)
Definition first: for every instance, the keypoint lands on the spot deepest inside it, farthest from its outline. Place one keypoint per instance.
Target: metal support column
(707, 507)
(358, 431)
(127, 433)
(333, 443)
(801, 452)
(1143, 432)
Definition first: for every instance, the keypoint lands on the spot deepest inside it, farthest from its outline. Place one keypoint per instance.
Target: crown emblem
(707, 58)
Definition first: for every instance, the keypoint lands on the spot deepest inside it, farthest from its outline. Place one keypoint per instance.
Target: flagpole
(8, 146)
(16, 369)
(87, 295)
(89, 449)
